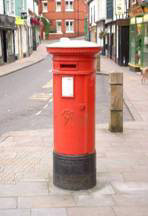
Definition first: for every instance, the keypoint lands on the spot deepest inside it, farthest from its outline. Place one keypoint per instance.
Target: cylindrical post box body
(74, 78)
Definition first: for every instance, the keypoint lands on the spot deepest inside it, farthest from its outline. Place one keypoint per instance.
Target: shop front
(117, 41)
(21, 39)
(7, 48)
(138, 37)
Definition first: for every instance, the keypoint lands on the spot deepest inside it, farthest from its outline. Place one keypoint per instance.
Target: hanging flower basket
(102, 34)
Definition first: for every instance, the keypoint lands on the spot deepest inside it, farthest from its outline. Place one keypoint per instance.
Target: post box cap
(67, 43)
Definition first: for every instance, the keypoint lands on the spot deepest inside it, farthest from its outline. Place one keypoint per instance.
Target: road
(26, 99)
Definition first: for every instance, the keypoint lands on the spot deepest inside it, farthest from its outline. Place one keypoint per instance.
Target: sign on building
(23, 15)
(120, 7)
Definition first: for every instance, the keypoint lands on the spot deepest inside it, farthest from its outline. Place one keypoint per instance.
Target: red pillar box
(74, 78)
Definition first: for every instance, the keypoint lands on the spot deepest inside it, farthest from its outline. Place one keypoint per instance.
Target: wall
(78, 15)
(92, 13)
(30, 5)
(101, 10)
(20, 6)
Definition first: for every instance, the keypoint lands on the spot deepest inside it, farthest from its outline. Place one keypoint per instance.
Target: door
(4, 38)
(123, 45)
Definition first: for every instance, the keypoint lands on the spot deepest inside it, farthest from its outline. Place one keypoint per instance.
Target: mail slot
(68, 66)
(74, 156)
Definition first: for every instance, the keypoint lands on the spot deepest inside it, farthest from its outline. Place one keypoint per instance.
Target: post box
(74, 78)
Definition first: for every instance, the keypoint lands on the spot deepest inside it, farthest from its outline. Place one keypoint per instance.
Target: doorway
(123, 45)
(4, 38)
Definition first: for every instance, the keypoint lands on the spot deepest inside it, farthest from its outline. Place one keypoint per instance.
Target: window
(45, 6)
(91, 16)
(9, 7)
(133, 2)
(69, 26)
(94, 13)
(58, 5)
(69, 5)
(59, 26)
(12, 7)
(109, 9)
(145, 50)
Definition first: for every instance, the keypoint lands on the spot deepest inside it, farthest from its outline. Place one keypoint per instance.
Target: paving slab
(50, 201)
(141, 176)
(100, 211)
(93, 200)
(126, 211)
(49, 212)
(130, 187)
(8, 202)
(15, 212)
(135, 199)
(24, 189)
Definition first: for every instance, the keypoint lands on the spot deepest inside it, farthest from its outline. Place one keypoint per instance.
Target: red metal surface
(74, 117)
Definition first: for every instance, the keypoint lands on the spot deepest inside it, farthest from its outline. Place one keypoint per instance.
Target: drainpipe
(34, 32)
(4, 7)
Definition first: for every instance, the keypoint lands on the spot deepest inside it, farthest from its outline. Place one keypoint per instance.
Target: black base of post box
(74, 172)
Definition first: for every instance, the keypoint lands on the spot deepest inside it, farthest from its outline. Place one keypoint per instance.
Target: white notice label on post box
(67, 86)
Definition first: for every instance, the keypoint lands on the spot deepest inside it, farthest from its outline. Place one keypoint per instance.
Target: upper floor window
(58, 5)
(109, 8)
(10, 7)
(44, 6)
(69, 26)
(91, 16)
(133, 2)
(69, 5)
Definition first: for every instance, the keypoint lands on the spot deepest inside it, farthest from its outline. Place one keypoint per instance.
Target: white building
(92, 12)
(7, 28)
(109, 27)
(26, 35)
(1, 7)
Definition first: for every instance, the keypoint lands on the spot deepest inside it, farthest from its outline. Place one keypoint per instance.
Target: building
(19, 29)
(27, 27)
(7, 28)
(138, 34)
(67, 17)
(117, 31)
(92, 13)
(109, 27)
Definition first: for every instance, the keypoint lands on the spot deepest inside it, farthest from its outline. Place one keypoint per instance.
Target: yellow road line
(40, 96)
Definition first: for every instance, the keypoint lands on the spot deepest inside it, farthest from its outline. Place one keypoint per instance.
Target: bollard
(116, 102)
(98, 63)
(74, 80)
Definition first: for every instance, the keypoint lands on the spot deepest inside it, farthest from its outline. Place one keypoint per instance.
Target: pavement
(26, 187)
(36, 57)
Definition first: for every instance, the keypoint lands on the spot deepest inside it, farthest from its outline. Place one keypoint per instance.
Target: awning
(7, 28)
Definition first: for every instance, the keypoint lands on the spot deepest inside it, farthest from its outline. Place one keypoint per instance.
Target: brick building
(67, 17)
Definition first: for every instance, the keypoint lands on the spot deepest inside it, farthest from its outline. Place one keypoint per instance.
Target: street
(26, 99)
